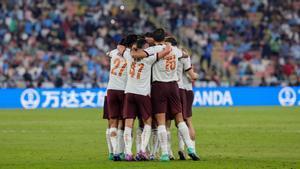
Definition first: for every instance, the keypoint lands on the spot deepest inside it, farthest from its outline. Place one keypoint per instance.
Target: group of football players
(151, 80)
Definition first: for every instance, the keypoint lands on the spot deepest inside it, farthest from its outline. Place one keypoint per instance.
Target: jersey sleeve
(151, 59)
(178, 52)
(187, 65)
(112, 53)
(154, 49)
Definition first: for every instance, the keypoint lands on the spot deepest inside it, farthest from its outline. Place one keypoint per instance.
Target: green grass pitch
(238, 137)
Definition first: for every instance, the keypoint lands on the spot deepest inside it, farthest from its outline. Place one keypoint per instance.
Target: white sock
(194, 145)
(145, 137)
(138, 139)
(128, 140)
(157, 144)
(121, 144)
(154, 140)
(148, 148)
(169, 143)
(163, 138)
(184, 132)
(113, 139)
(110, 149)
(180, 142)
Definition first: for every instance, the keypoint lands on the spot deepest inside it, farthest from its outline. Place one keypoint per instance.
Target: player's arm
(191, 74)
(164, 52)
(155, 57)
(188, 67)
(138, 53)
(185, 53)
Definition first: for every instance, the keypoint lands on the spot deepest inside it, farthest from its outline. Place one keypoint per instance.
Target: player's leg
(146, 134)
(128, 139)
(176, 108)
(168, 126)
(159, 105)
(145, 138)
(188, 115)
(169, 117)
(121, 124)
(113, 135)
(120, 139)
(115, 109)
(154, 140)
(174, 99)
(181, 145)
(145, 110)
(138, 136)
(107, 136)
(162, 136)
(129, 115)
(184, 132)
(192, 131)
(109, 145)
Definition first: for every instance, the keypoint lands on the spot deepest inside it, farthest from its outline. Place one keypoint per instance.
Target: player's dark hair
(148, 35)
(140, 36)
(159, 35)
(130, 40)
(122, 42)
(172, 40)
(140, 43)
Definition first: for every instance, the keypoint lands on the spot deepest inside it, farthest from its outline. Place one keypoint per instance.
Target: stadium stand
(60, 43)
(238, 43)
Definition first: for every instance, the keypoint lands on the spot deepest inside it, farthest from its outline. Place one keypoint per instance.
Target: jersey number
(132, 70)
(170, 63)
(117, 63)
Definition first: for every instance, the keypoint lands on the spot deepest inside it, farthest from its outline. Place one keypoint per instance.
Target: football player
(137, 99)
(115, 95)
(165, 92)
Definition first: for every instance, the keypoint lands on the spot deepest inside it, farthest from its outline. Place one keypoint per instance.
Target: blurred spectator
(253, 42)
(289, 68)
(61, 43)
(207, 52)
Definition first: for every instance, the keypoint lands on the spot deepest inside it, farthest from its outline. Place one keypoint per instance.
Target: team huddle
(151, 80)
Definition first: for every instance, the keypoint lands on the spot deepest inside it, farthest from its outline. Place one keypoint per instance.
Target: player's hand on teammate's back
(167, 50)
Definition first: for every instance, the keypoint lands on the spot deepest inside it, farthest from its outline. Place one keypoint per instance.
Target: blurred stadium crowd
(61, 43)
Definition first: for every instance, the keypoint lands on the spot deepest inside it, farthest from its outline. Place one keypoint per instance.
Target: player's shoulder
(127, 51)
(112, 53)
(176, 50)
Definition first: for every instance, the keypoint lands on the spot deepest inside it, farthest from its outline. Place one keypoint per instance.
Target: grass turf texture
(240, 137)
